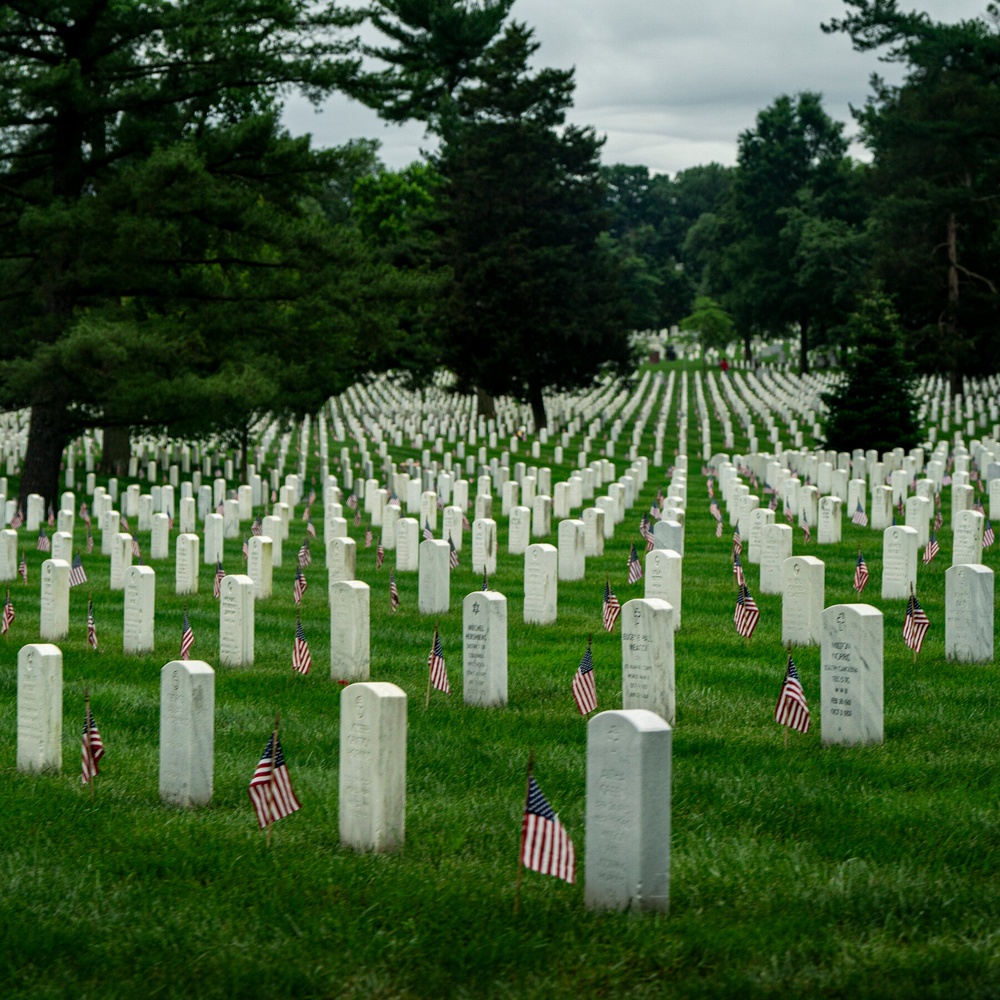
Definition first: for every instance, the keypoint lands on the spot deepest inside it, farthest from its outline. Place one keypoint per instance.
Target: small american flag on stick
(77, 574)
(915, 625)
(747, 613)
(860, 574)
(634, 566)
(393, 592)
(452, 554)
(584, 688)
(270, 787)
(545, 845)
(187, 636)
(931, 549)
(91, 625)
(301, 657)
(437, 672)
(612, 609)
(92, 745)
(8, 614)
(299, 586)
(220, 575)
(792, 710)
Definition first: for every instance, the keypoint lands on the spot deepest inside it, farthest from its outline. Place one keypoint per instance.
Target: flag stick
(427, 700)
(520, 866)
(86, 726)
(274, 755)
(914, 607)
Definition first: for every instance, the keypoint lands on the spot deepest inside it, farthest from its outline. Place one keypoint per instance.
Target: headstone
(140, 609)
(187, 733)
(110, 523)
(607, 505)
(851, 674)
(259, 566)
(968, 613)
(519, 530)
(881, 516)
(662, 579)
(214, 533)
(899, 562)
(540, 586)
(62, 546)
(187, 521)
(341, 559)
(350, 630)
(54, 612)
(434, 584)
(236, 632)
(8, 554)
(967, 540)
(541, 516)
(186, 567)
(628, 811)
(668, 535)
(272, 527)
(407, 545)
(572, 552)
(830, 521)
(648, 656)
(484, 546)
(39, 708)
(803, 582)
(372, 766)
(593, 532)
(484, 648)
(760, 517)
(231, 519)
(159, 544)
(775, 548)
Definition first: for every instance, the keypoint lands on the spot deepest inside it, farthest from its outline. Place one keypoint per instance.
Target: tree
(712, 325)
(936, 172)
(873, 406)
(164, 256)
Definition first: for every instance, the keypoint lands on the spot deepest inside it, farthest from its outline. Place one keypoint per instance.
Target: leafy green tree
(711, 324)
(165, 259)
(873, 406)
(936, 172)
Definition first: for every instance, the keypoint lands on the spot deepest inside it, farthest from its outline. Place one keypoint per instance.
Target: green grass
(811, 871)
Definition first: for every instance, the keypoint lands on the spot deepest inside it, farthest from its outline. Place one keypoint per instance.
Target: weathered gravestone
(272, 526)
(341, 559)
(236, 622)
(803, 581)
(851, 674)
(628, 811)
(186, 566)
(484, 648)
(350, 630)
(407, 545)
(669, 535)
(572, 552)
(259, 566)
(39, 707)
(899, 562)
(187, 732)
(540, 586)
(8, 554)
(53, 623)
(213, 539)
(434, 583)
(484, 546)
(662, 579)
(648, 656)
(519, 530)
(593, 531)
(967, 540)
(775, 548)
(968, 613)
(372, 766)
(140, 610)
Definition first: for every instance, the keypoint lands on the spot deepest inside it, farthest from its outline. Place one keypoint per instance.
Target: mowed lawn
(799, 871)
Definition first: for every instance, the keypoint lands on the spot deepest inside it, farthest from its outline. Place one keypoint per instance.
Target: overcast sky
(671, 83)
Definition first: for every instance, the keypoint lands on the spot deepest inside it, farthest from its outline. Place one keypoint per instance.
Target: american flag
(545, 845)
(711, 488)
(77, 574)
(486, 581)
(123, 523)
(452, 554)
(369, 538)
(988, 536)
(299, 587)
(738, 569)
(136, 551)
(270, 787)
(311, 529)
(612, 609)
(17, 520)
(91, 626)
(307, 513)
(51, 517)
(187, 636)
(713, 509)
(84, 513)
(92, 746)
(584, 689)
(792, 710)
(43, 544)
(860, 517)
(773, 502)
(305, 555)
(435, 662)
(393, 592)
(634, 566)
(737, 542)
(915, 624)
(938, 520)
(654, 512)
(8, 614)
(90, 540)
(428, 534)
(312, 494)
(789, 516)
(718, 529)
(394, 501)
(23, 568)
(257, 528)
(379, 553)
(747, 613)
(357, 518)
(246, 549)
(805, 528)
(220, 575)
(647, 533)
(352, 502)
(301, 659)
(860, 573)
(465, 524)
(931, 549)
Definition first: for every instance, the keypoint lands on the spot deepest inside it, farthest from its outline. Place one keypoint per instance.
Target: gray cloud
(671, 84)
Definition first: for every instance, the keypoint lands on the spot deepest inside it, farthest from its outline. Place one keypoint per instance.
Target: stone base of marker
(350, 616)
(628, 811)
(187, 732)
(39, 708)
(372, 766)
(851, 689)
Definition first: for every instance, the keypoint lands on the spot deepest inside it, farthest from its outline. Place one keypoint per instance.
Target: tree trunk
(116, 451)
(48, 435)
(485, 404)
(537, 407)
(804, 348)
(244, 445)
(747, 352)
(951, 315)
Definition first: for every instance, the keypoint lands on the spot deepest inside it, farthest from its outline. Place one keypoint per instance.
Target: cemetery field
(796, 869)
